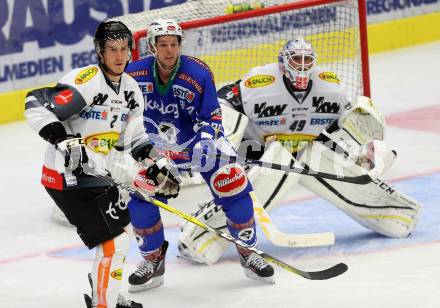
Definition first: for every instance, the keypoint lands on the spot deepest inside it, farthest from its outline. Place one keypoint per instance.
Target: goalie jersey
(274, 108)
(89, 104)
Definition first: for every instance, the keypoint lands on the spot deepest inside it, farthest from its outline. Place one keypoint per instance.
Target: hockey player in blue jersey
(181, 110)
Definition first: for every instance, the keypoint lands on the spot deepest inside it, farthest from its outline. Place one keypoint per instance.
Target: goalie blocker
(376, 206)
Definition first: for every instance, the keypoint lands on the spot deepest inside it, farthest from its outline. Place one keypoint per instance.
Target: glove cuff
(53, 132)
(162, 162)
(143, 151)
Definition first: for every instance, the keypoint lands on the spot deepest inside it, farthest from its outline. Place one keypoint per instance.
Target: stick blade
(328, 273)
(302, 240)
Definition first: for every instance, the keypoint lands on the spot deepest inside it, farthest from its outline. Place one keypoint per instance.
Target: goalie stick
(305, 170)
(328, 273)
(279, 238)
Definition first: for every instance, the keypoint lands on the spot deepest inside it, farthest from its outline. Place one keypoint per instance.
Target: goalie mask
(162, 27)
(296, 61)
(109, 31)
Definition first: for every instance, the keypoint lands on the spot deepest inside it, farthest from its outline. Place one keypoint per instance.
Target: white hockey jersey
(274, 109)
(104, 116)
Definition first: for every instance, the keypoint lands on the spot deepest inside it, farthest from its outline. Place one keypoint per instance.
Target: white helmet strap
(152, 49)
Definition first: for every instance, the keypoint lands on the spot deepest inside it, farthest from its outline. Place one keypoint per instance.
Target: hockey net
(231, 44)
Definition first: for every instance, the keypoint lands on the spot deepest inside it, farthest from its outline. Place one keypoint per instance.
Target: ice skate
(149, 272)
(125, 303)
(121, 303)
(256, 268)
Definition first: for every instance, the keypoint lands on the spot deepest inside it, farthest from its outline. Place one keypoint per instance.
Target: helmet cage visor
(112, 35)
(299, 66)
(299, 62)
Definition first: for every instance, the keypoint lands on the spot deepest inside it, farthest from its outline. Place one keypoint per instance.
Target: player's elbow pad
(53, 132)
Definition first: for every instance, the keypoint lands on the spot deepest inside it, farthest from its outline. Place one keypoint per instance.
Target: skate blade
(251, 275)
(151, 284)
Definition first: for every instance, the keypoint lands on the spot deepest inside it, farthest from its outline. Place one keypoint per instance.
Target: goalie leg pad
(376, 205)
(199, 245)
(392, 215)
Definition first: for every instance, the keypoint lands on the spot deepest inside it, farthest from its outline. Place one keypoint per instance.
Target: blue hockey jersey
(183, 111)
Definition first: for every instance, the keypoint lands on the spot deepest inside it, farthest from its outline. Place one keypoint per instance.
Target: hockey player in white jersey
(91, 115)
(294, 107)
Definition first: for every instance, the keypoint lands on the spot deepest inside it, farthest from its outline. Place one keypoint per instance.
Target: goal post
(231, 44)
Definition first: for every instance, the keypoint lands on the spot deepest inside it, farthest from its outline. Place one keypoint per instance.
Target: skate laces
(256, 261)
(146, 267)
(122, 302)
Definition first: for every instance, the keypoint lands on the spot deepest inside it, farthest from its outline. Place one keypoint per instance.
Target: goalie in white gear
(295, 104)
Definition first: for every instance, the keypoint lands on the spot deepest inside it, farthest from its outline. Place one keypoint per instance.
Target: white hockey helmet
(296, 61)
(163, 27)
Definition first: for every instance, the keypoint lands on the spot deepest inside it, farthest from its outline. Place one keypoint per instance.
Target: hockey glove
(161, 179)
(74, 154)
(159, 176)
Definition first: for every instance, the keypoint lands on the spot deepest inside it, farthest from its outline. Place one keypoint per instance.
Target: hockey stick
(305, 170)
(269, 228)
(328, 273)
(360, 179)
(279, 238)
